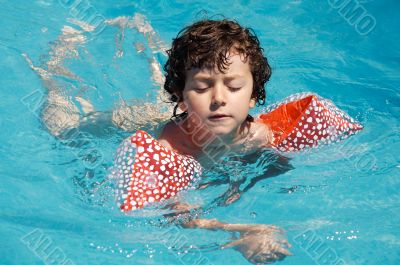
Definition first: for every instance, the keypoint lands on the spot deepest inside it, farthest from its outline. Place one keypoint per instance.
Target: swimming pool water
(339, 204)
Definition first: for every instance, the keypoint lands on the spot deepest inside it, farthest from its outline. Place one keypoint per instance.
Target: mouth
(217, 117)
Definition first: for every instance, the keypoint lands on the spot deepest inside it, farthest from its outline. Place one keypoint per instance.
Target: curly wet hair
(206, 44)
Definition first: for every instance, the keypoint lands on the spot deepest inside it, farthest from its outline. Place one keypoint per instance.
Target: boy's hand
(259, 136)
(260, 243)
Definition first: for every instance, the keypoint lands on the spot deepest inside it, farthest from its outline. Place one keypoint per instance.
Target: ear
(182, 106)
(252, 103)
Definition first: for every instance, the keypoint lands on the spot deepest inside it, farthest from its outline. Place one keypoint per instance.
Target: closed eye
(234, 88)
(200, 89)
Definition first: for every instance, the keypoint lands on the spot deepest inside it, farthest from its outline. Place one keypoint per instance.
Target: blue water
(344, 197)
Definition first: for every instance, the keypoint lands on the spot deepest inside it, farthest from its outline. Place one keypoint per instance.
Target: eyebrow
(207, 78)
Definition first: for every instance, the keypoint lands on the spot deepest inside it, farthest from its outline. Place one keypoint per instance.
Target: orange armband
(307, 120)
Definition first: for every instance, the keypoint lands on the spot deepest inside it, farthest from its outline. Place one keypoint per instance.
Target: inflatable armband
(148, 172)
(307, 120)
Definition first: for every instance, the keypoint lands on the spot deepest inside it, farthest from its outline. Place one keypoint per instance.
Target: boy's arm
(258, 243)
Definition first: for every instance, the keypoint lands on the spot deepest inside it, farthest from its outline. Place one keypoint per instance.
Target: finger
(284, 242)
(276, 229)
(284, 251)
(232, 244)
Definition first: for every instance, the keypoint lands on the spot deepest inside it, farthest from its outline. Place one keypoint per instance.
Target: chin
(222, 132)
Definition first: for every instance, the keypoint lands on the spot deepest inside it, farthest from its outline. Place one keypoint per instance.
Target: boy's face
(219, 102)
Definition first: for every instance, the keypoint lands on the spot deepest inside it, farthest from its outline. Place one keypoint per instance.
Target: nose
(218, 96)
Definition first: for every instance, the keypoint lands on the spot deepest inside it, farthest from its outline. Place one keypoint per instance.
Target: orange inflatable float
(307, 120)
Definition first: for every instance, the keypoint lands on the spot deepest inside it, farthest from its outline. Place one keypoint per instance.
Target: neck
(201, 142)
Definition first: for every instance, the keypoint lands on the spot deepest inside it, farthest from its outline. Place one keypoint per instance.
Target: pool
(339, 204)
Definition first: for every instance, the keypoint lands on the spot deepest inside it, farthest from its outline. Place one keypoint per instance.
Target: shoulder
(169, 133)
(255, 137)
(261, 134)
(174, 137)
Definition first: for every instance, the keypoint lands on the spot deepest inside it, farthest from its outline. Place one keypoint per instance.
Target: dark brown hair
(206, 44)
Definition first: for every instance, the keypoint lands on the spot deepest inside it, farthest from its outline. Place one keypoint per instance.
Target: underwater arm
(258, 243)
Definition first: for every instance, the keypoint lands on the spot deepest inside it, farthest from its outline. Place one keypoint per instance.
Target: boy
(215, 73)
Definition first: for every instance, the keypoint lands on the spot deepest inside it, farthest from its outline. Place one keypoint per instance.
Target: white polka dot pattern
(315, 121)
(148, 172)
